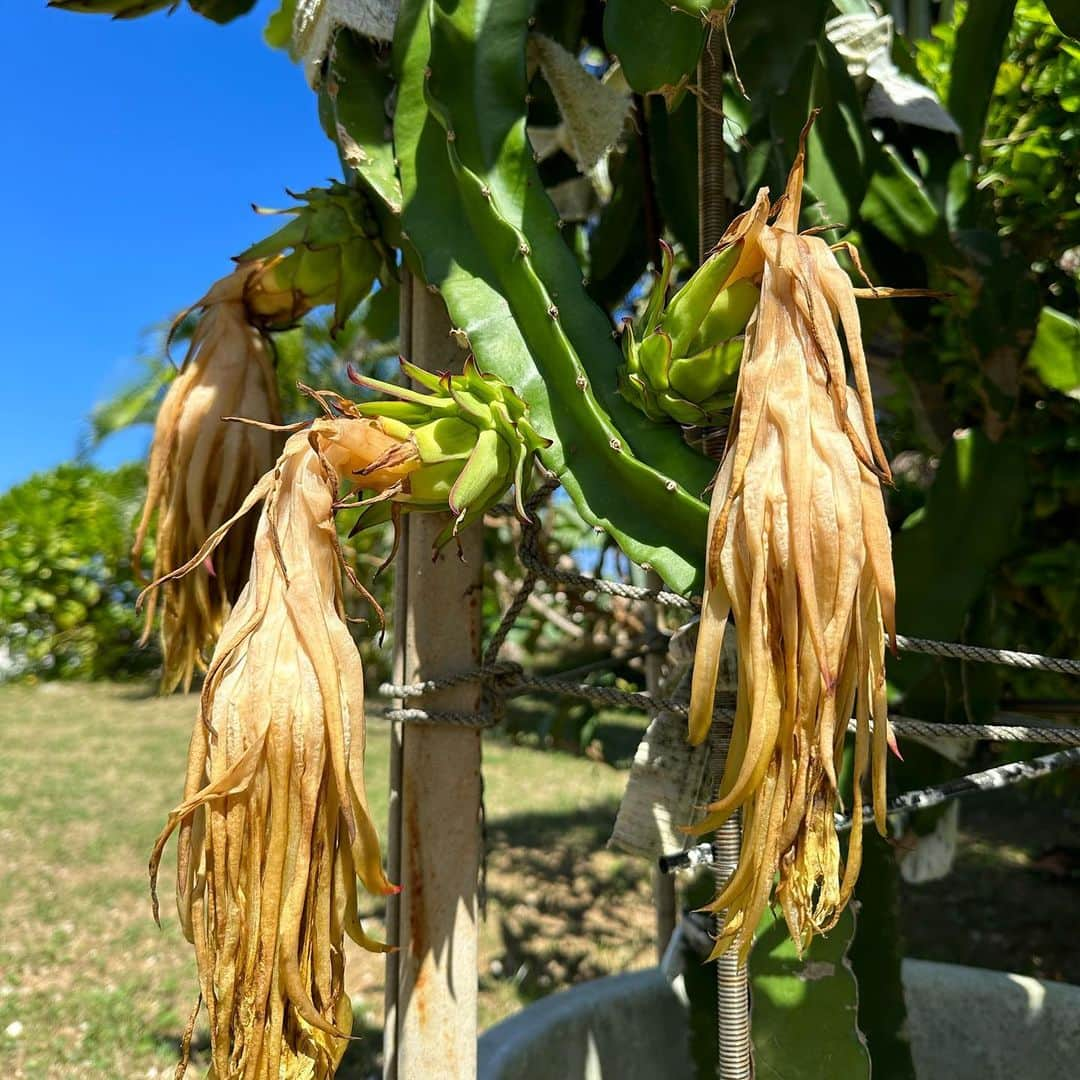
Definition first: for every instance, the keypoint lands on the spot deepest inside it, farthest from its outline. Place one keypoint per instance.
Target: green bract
(472, 439)
(685, 364)
(331, 252)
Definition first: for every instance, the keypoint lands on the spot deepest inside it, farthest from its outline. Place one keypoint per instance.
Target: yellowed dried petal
(200, 469)
(799, 550)
(274, 824)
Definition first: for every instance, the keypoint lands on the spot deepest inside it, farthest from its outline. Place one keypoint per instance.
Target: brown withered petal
(274, 826)
(799, 556)
(200, 469)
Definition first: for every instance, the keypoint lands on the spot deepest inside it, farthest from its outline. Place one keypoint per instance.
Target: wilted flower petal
(200, 470)
(274, 827)
(799, 554)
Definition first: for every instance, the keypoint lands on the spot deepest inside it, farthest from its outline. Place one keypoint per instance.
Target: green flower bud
(329, 253)
(467, 437)
(685, 364)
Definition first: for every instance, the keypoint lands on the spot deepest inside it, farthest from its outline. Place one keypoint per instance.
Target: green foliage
(219, 11)
(118, 9)
(657, 47)
(67, 592)
(999, 356)
(222, 11)
(278, 30)
(1030, 151)
(1055, 352)
(788, 68)
(979, 41)
(804, 1008)
(488, 238)
(948, 548)
(135, 403)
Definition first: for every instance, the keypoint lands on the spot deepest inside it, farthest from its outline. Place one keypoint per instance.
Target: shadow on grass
(566, 910)
(362, 1060)
(200, 1048)
(144, 690)
(575, 728)
(581, 830)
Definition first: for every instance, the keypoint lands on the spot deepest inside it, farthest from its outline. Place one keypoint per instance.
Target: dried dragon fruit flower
(201, 468)
(329, 252)
(274, 827)
(800, 555)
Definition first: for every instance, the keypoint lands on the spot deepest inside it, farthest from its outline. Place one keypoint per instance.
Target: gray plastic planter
(965, 1024)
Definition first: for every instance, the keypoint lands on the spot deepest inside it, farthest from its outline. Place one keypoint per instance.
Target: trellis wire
(1013, 772)
(993, 779)
(511, 680)
(504, 679)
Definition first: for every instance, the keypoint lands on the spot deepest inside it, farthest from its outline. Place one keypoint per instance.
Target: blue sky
(131, 153)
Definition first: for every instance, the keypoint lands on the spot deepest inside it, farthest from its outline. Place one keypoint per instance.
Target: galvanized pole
(732, 995)
(434, 846)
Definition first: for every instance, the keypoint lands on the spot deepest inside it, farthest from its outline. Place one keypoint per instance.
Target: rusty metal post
(732, 994)
(435, 801)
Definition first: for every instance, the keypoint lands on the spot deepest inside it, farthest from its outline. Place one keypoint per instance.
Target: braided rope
(510, 680)
(979, 653)
(1035, 733)
(482, 718)
(538, 568)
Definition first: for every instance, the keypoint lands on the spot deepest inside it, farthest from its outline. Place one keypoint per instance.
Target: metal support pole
(732, 994)
(435, 796)
(712, 153)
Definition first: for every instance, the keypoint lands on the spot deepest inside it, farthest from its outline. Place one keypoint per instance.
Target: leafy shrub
(67, 590)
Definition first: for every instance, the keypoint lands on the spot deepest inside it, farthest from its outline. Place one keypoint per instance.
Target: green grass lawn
(89, 987)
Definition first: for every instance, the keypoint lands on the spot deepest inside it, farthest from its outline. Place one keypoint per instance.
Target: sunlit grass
(89, 987)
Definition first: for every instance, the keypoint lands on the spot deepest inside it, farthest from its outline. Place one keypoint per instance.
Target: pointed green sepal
(689, 307)
(469, 440)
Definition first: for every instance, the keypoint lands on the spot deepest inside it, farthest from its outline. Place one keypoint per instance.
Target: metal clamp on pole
(699, 855)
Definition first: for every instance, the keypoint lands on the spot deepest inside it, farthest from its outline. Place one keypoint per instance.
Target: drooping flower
(200, 469)
(328, 252)
(799, 553)
(274, 827)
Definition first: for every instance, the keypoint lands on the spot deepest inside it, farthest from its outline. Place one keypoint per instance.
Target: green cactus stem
(487, 236)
